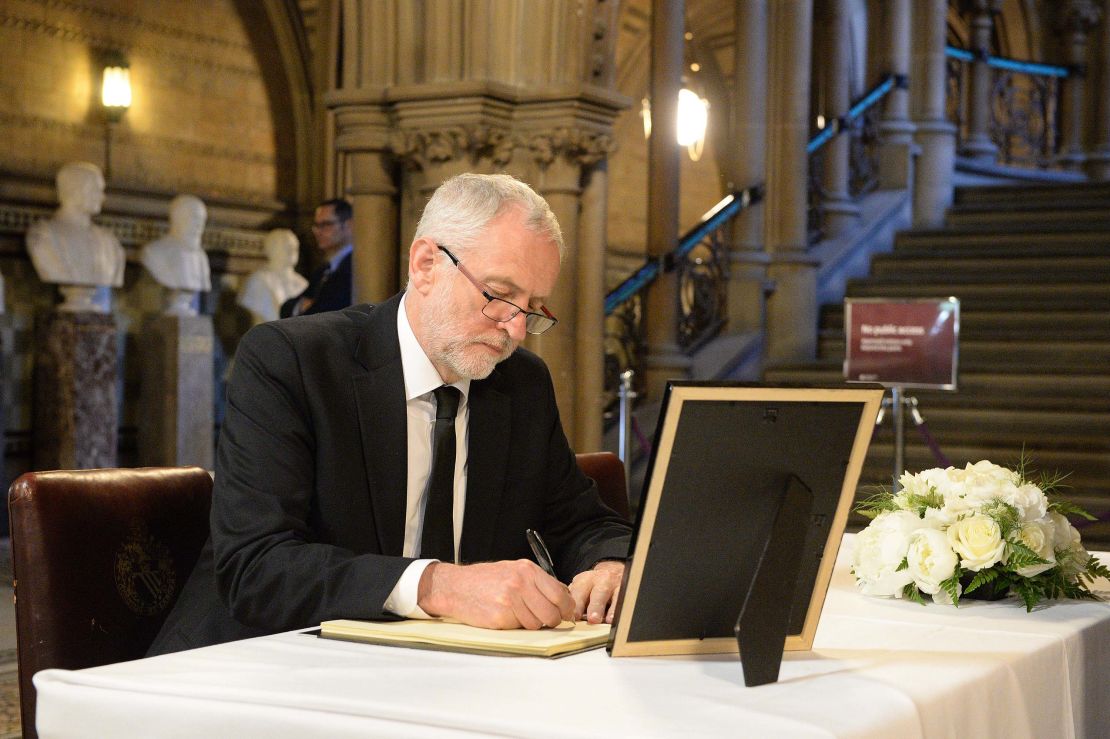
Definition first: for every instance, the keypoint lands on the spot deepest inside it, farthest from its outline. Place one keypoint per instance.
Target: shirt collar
(421, 376)
(333, 263)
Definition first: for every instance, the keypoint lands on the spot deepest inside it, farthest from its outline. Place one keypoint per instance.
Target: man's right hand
(495, 595)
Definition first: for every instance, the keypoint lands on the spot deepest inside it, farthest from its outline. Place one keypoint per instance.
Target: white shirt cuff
(402, 599)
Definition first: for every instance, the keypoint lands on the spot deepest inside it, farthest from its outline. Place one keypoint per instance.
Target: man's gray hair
(461, 208)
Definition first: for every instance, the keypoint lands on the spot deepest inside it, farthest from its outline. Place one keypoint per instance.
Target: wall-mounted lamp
(693, 119)
(115, 89)
(115, 96)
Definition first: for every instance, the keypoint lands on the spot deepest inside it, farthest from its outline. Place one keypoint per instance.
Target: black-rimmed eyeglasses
(501, 310)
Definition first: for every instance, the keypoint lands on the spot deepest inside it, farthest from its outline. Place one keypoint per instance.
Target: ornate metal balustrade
(701, 260)
(1025, 106)
(861, 124)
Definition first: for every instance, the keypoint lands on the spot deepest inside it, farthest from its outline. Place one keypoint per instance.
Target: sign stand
(901, 344)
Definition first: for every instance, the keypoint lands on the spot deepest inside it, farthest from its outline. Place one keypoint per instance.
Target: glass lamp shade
(115, 91)
(693, 115)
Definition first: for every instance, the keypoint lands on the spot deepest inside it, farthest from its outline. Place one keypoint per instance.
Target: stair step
(981, 355)
(1056, 429)
(1013, 390)
(959, 249)
(1006, 324)
(1037, 216)
(1048, 294)
(1071, 194)
(1037, 240)
(1088, 472)
(999, 268)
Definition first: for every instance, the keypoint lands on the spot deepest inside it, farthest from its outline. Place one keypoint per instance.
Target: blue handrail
(836, 125)
(1012, 65)
(720, 213)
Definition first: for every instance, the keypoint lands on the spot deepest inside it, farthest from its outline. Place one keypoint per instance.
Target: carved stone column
(590, 355)
(840, 213)
(1098, 160)
(665, 360)
(979, 145)
(556, 176)
(792, 307)
(1074, 22)
(895, 129)
(935, 134)
(747, 164)
(363, 173)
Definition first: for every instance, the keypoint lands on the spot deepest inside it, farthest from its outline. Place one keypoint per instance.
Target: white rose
(1064, 534)
(910, 485)
(1071, 555)
(879, 551)
(943, 481)
(931, 559)
(1028, 499)
(1040, 536)
(939, 518)
(978, 541)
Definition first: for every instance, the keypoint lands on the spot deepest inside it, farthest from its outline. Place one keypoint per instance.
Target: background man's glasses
(321, 225)
(501, 310)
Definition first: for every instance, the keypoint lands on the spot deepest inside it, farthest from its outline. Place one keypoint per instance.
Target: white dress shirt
(421, 378)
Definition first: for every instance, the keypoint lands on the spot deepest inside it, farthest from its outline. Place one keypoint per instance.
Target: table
(879, 668)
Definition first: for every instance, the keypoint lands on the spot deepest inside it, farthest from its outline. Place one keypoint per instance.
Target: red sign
(908, 343)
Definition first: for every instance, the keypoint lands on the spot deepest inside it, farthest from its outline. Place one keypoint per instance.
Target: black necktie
(438, 539)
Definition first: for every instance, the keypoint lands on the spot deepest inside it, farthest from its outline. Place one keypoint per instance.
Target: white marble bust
(266, 289)
(69, 249)
(177, 260)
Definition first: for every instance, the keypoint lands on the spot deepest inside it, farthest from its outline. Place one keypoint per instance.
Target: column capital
(1077, 16)
(978, 7)
(580, 146)
(418, 148)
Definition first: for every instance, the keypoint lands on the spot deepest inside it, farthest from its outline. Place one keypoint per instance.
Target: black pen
(543, 557)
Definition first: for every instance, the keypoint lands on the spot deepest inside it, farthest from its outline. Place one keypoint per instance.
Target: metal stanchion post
(625, 393)
(897, 419)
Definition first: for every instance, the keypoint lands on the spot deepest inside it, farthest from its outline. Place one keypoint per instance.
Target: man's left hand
(595, 592)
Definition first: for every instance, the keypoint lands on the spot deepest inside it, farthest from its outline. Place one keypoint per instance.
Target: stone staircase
(1031, 267)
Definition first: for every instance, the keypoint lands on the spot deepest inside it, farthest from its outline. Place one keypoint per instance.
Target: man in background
(329, 286)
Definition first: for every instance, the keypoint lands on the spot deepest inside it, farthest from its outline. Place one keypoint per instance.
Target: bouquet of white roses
(950, 532)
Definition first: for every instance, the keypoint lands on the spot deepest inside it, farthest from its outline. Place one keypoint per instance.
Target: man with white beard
(385, 461)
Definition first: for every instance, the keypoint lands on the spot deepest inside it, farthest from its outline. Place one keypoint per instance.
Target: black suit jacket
(310, 489)
(333, 294)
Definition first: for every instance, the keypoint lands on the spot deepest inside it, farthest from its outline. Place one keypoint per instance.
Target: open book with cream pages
(566, 638)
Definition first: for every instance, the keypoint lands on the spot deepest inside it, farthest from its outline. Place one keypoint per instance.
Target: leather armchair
(607, 470)
(99, 557)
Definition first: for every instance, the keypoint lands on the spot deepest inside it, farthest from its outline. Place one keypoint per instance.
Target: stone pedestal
(76, 411)
(175, 423)
(5, 391)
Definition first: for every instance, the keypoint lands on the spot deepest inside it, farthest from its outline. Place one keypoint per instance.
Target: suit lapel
(380, 404)
(487, 456)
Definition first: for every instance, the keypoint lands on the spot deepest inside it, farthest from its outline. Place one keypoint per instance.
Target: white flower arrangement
(949, 532)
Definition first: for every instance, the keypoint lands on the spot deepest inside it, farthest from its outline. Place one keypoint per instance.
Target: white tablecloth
(879, 668)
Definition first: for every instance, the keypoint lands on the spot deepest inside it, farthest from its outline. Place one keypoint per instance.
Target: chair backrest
(98, 558)
(607, 470)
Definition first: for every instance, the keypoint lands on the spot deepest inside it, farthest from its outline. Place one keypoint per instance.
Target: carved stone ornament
(1077, 16)
(420, 148)
(579, 146)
